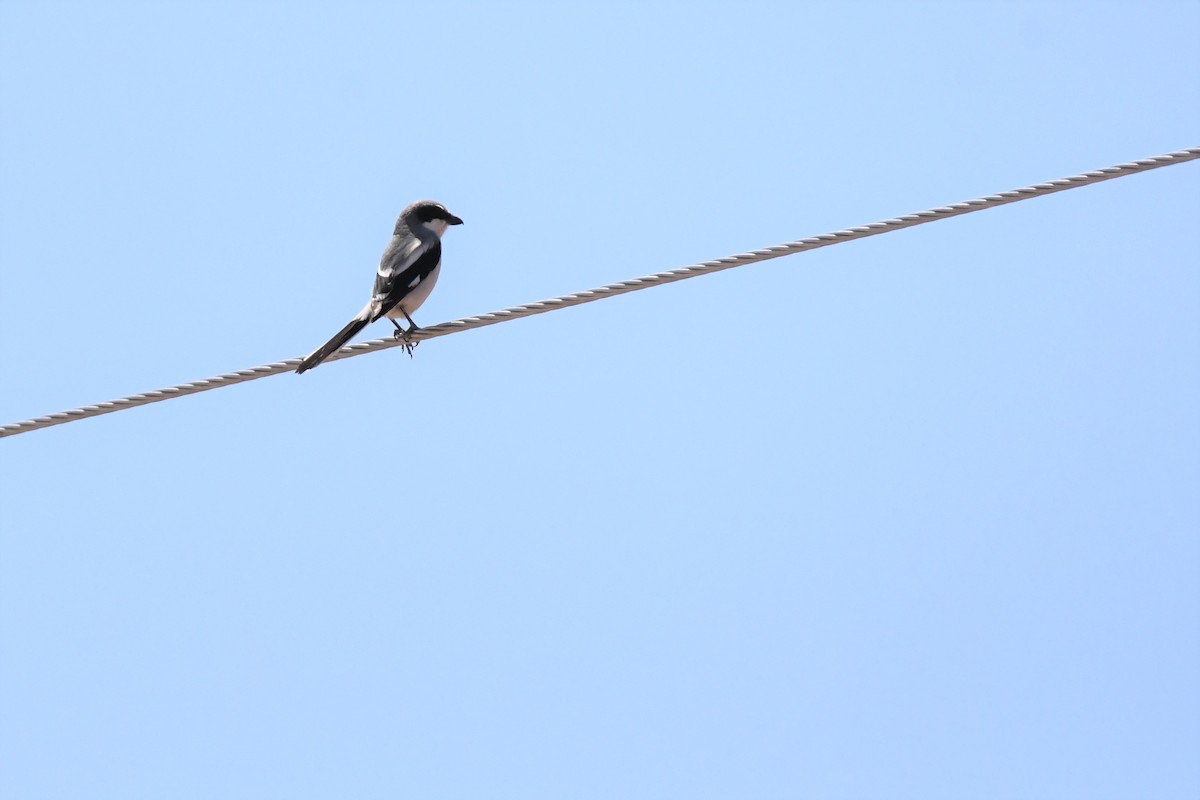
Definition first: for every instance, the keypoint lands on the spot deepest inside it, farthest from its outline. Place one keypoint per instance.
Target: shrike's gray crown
(427, 211)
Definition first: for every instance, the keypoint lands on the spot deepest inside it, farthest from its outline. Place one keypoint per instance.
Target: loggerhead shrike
(406, 276)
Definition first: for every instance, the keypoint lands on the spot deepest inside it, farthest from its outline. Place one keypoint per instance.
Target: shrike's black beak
(453, 220)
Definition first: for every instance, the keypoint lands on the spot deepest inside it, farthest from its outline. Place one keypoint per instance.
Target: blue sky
(916, 516)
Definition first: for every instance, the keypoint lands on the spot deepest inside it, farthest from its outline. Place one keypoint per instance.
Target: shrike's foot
(409, 345)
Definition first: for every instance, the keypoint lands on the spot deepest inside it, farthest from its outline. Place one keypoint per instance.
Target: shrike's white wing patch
(408, 287)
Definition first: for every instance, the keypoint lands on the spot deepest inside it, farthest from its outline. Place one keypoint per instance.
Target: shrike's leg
(405, 334)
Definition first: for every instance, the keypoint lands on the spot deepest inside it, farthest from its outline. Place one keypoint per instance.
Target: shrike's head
(427, 215)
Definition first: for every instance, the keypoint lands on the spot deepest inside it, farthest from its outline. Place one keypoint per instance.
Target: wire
(614, 289)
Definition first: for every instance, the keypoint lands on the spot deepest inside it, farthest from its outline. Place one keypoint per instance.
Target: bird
(407, 273)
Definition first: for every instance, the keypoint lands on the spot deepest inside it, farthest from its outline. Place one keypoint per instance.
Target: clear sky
(913, 517)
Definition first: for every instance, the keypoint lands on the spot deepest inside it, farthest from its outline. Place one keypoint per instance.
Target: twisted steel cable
(619, 288)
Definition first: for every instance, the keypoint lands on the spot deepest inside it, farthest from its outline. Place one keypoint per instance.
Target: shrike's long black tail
(333, 345)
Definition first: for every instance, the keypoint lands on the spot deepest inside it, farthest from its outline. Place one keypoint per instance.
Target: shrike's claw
(409, 345)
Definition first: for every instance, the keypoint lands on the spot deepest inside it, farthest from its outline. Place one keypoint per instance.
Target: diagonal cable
(622, 287)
